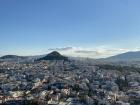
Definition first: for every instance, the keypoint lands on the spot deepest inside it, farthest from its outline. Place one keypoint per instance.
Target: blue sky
(30, 27)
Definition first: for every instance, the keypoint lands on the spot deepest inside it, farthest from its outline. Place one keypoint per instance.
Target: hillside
(128, 56)
(53, 56)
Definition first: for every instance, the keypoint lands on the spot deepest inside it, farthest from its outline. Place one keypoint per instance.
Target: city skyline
(93, 28)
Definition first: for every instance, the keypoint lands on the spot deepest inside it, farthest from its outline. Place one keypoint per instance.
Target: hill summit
(54, 56)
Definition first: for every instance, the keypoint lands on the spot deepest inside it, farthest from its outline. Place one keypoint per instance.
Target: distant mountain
(128, 56)
(12, 58)
(53, 56)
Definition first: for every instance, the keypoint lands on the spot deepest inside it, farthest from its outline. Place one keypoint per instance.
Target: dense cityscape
(67, 82)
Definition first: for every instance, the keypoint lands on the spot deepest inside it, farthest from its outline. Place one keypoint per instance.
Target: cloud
(85, 51)
(60, 49)
(95, 52)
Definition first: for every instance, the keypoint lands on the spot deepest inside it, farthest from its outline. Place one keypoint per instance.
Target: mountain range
(128, 56)
(51, 56)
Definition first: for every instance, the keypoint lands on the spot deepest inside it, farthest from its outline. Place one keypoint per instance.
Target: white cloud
(96, 52)
(60, 49)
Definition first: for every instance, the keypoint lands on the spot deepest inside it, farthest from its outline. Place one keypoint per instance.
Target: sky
(85, 28)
